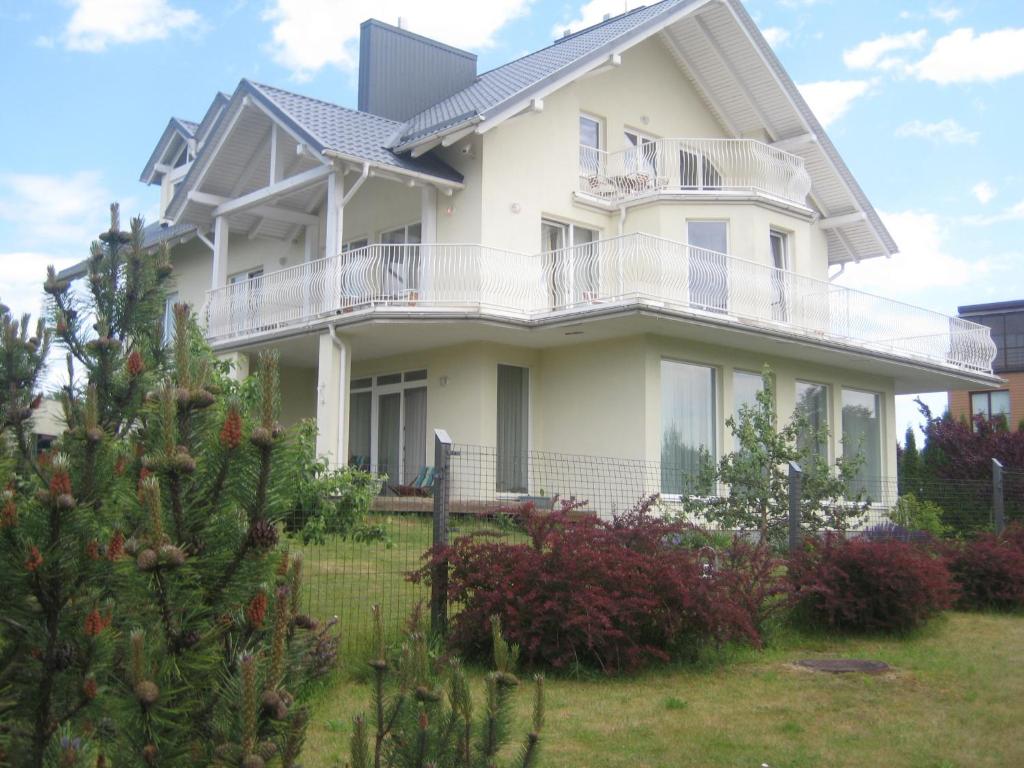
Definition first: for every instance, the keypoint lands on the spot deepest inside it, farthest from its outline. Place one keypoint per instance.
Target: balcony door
(708, 274)
(780, 276)
(244, 288)
(400, 262)
(573, 263)
(513, 443)
(641, 159)
(590, 147)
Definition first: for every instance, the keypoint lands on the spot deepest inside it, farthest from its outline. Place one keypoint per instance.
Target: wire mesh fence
(477, 490)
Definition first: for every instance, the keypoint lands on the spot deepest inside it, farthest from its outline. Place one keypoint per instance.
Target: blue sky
(925, 100)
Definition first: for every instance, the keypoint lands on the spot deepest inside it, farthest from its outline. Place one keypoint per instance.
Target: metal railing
(627, 270)
(696, 167)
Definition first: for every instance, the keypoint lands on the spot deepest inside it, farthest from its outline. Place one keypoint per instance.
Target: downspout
(842, 268)
(340, 346)
(355, 187)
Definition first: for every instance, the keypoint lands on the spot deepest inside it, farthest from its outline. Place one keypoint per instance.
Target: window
(353, 245)
(812, 404)
(641, 157)
(575, 263)
(696, 171)
(708, 269)
(590, 146)
(991, 404)
(746, 386)
(779, 278)
(512, 460)
(168, 323)
(401, 267)
(687, 423)
(387, 428)
(862, 434)
(250, 274)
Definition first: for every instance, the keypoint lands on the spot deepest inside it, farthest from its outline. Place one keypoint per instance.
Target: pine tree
(148, 615)
(423, 710)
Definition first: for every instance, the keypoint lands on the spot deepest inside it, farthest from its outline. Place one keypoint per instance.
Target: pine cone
(262, 437)
(270, 701)
(149, 754)
(302, 621)
(262, 535)
(200, 398)
(182, 462)
(147, 692)
(172, 556)
(267, 750)
(253, 761)
(187, 640)
(147, 560)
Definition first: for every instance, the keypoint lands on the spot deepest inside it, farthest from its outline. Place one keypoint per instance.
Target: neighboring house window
(746, 386)
(401, 263)
(862, 434)
(574, 262)
(512, 459)
(780, 260)
(708, 276)
(991, 404)
(641, 156)
(590, 146)
(168, 325)
(812, 404)
(687, 423)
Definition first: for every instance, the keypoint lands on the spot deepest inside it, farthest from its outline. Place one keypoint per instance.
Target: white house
(591, 249)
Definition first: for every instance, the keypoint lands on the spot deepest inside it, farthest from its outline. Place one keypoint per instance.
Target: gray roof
(176, 126)
(188, 127)
(346, 131)
(494, 88)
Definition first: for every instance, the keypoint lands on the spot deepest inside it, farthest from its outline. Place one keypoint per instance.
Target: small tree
(756, 475)
(147, 614)
(423, 711)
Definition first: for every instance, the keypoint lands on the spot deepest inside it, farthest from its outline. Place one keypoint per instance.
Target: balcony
(716, 168)
(636, 271)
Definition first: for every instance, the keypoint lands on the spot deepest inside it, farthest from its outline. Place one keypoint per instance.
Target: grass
(953, 699)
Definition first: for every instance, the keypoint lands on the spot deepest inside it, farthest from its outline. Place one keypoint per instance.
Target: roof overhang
(175, 136)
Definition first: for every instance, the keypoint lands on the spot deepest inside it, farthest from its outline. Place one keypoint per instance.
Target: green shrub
(918, 515)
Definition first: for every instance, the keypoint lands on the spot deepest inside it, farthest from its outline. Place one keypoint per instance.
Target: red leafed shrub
(612, 595)
(863, 585)
(990, 570)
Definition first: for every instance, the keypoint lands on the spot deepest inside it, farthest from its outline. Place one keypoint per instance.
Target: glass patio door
(401, 433)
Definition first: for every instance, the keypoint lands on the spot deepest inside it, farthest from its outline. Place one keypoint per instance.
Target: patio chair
(422, 485)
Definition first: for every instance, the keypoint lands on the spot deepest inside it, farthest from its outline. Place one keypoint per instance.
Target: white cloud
(875, 53)
(831, 99)
(963, 57)
(1013, 213)
(21, 280)
(984, 192)
(308, 35)
(923, 263)
(593, 12)
(775, 36)
(948, 130)
(948, 14)
(95, 24)
(47, 211)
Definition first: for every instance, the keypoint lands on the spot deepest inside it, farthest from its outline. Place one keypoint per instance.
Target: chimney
(402, 73)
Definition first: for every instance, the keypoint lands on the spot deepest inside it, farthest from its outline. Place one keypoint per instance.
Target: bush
(612, 595)
(990, 570)
(917, 515)
(330, 501)
(862, 585)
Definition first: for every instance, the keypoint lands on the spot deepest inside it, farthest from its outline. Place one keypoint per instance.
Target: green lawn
(954, 699)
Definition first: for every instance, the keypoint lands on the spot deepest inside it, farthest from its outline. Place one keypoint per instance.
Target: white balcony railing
(632, 270)
(699, 167)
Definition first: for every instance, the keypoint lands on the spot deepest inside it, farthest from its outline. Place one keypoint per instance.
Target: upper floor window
(708, 277)
(590, 146)
(402, 269)
(249, 274)
(575, 264)
(353, 245)
(991, 404)
(641, 154)
(779, 280)
(168, 323)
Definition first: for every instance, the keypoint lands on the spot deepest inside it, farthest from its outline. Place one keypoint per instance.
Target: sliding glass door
(512, 460)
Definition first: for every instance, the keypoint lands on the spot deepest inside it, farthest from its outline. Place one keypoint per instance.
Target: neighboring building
(1006, 321)
(47, 423)
(593, 249)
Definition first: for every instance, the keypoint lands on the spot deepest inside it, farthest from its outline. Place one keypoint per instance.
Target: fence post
(795, 475)
(998, 503)
(442, 489)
